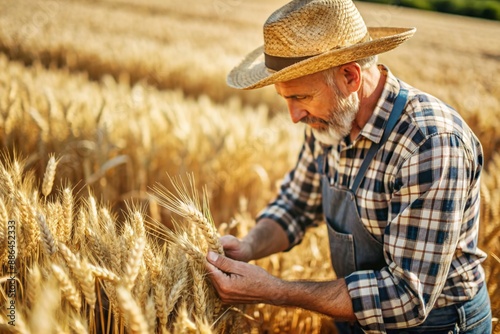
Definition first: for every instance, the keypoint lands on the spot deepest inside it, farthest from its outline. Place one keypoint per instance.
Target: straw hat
(308, 36)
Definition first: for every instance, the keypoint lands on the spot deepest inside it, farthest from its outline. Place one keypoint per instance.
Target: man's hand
(235, 248)
(239, 282)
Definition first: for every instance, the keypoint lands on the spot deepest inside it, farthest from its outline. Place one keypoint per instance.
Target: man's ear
(349, 77)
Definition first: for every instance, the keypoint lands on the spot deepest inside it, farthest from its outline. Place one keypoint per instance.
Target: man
(393, 171)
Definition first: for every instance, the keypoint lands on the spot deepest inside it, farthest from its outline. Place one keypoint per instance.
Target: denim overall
(353, 248)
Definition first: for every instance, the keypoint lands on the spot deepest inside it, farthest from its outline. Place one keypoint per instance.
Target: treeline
(486, 9)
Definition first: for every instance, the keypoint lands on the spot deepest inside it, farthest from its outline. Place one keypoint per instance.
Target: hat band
(278, 63)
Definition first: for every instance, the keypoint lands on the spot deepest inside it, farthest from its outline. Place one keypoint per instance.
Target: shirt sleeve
(431, 190)
(298, 203)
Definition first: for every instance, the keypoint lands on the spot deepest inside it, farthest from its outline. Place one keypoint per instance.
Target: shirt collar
(374, 128)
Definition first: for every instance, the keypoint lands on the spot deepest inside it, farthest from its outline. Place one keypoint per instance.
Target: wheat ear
(186, 203)
(50, 244)
(104, 274)
(80, 268)
(150, 313)
(3, 231)
(67, 287)
(133, 313)
(133, 264)
(204, 224)
(48, 177)
(78, 326)
(28, 225)
(160, 296)
(8, 186)
(33, 288)
(67, 224)
(199, 291)
(175, 293)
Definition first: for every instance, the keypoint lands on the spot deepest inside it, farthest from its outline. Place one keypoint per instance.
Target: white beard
(341, 119)
(328, 137)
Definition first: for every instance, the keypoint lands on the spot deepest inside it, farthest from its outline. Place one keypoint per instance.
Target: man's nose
(296, 112)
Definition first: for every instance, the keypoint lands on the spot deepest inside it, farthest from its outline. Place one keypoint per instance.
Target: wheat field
(125, 156)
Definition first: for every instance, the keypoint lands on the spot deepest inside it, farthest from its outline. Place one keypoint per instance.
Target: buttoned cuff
(364, 293)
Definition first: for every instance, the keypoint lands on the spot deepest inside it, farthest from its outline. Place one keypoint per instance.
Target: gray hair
(364, 63)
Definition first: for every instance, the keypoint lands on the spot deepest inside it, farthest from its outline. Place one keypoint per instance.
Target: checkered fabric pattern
(420, 197)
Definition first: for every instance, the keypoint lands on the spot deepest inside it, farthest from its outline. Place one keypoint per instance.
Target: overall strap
(397, 110)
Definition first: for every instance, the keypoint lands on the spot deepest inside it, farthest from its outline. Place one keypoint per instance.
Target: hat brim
(252, 72)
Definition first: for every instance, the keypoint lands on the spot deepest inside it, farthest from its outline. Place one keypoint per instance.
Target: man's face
(327, 110)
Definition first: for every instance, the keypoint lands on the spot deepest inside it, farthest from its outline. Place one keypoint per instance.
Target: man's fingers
(229, 242)
(221, 262)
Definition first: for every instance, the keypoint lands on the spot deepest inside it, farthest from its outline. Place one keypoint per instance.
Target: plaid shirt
(420, 197)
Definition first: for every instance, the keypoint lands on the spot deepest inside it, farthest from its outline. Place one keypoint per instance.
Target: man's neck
(369, 94)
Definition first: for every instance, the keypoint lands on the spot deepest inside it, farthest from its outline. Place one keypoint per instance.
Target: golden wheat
(200, 127)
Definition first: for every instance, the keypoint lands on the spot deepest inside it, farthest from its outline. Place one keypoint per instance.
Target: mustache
(312, 120)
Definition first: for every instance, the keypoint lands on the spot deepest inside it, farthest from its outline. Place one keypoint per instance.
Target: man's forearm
(330, 298)
(266, 237)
